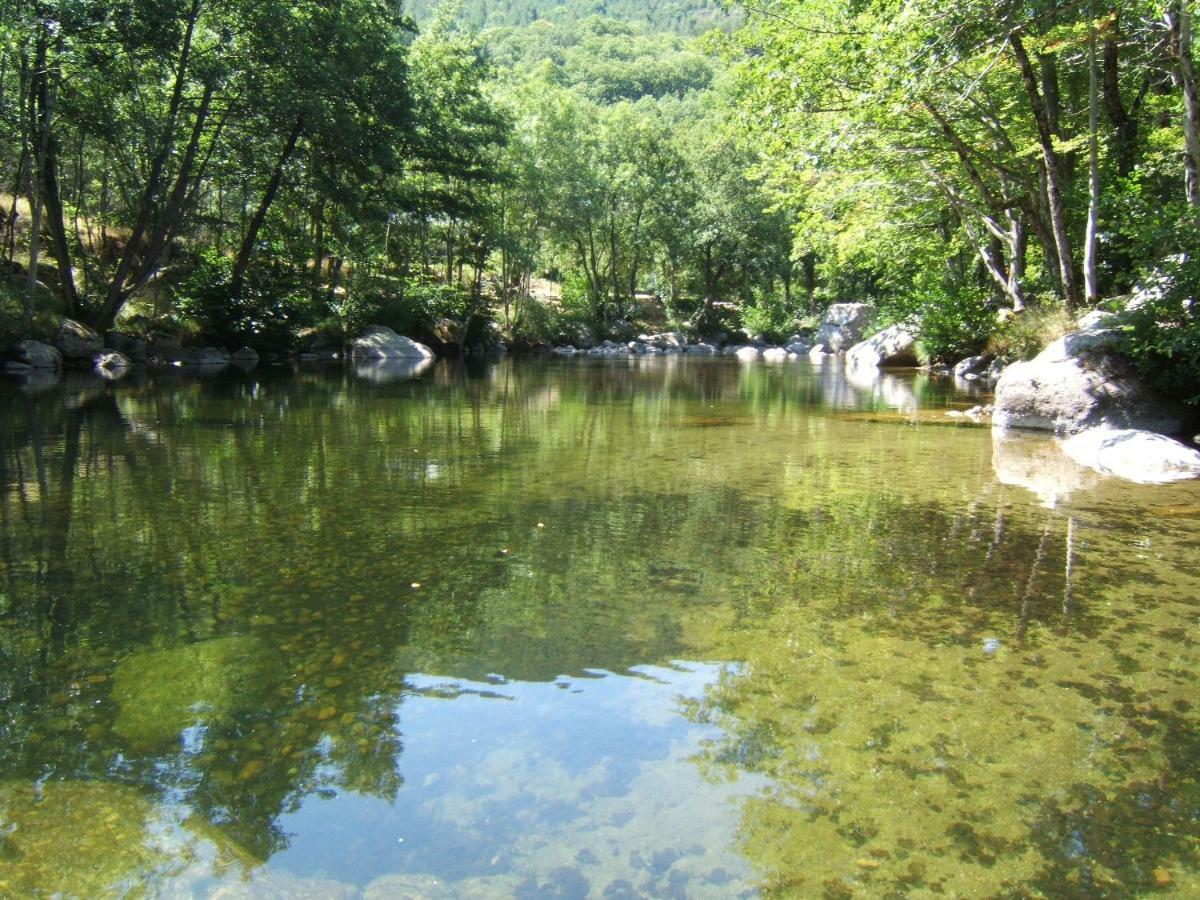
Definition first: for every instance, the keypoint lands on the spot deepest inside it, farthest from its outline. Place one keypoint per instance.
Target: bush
(411, 308)
(1028, 333)
(953, 324)
(1162, 331)
(46, 312)
(269, 311)
(769, 318)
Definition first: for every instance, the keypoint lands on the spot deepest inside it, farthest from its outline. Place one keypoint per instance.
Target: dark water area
(587, 628)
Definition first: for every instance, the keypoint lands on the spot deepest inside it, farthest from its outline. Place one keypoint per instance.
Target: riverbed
(638, 627)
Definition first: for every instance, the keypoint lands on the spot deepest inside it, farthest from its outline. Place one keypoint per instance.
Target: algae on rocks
(162, 692)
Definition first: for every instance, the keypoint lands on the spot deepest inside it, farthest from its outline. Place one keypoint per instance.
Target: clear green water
(682, 629)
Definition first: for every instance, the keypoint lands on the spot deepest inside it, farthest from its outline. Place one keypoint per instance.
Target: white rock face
(775, 354)
(383, 343)
(1140, 456)
(892, 347)
(843, 326)
(747, 354)
(1078, 383)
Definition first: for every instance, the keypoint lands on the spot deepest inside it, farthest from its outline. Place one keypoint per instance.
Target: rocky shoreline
(1078, 388)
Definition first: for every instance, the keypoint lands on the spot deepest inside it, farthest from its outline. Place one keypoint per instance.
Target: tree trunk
(1058, 218)
(48, 185)
(1091, 287)
(246, 253)
(117, 294)
(1179, 22)
(1125, 124)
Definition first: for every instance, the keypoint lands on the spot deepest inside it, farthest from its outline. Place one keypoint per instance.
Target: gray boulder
(746, 354)
(245, 356)
(112, 361)
(165, 346)
(135, 348)
(775, 354)
(16, 368)
(1080, 382)
(1140, 456)
(973, 365)
(380, 342)
(702, 349)
(892, 348)
(76, 341)
(37, 355)
(212, 357)
(843, 326)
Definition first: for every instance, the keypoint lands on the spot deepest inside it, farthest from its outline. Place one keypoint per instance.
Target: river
(587, 628)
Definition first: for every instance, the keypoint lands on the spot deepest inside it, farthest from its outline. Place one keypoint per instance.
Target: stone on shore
(37, 355)
(380, 342)
(76, 341)
(892, 347)
(1080, 382)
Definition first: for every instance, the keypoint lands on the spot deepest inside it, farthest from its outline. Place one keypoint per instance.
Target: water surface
(598, 628)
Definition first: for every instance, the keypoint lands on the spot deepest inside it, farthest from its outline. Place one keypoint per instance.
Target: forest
(280, 174)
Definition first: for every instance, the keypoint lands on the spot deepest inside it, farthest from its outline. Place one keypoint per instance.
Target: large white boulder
(1080, 382)
(843, 326)
(893, 347)
(380, 342)
(1141, 456)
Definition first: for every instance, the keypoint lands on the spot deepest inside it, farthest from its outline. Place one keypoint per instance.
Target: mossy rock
(162, 692)
(75, 839)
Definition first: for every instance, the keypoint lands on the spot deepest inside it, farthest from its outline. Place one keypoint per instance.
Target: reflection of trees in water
(992, 713)
(138, 519)
(295, 513)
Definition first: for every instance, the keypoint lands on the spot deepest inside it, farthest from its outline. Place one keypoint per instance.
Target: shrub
(768, 317)
(953, 324)
(269, 311)
(1026, 334)
(1162, 330)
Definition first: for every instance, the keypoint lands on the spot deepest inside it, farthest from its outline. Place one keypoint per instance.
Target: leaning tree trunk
(1058, 218)
(246, 253)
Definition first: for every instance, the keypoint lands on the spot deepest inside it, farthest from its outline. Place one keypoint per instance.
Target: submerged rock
(1140, 456)
(892, 347)
(1038, 464)
(75, 839)
(112, 364)
(380, 342)
(162, 692)
(408, 887)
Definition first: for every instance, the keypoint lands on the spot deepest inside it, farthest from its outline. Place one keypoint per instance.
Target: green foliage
(13, 297)
(769, 317)
(269, 311)
(953, 326)
(682, 16)
(1025, 335)
(1163, 332)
